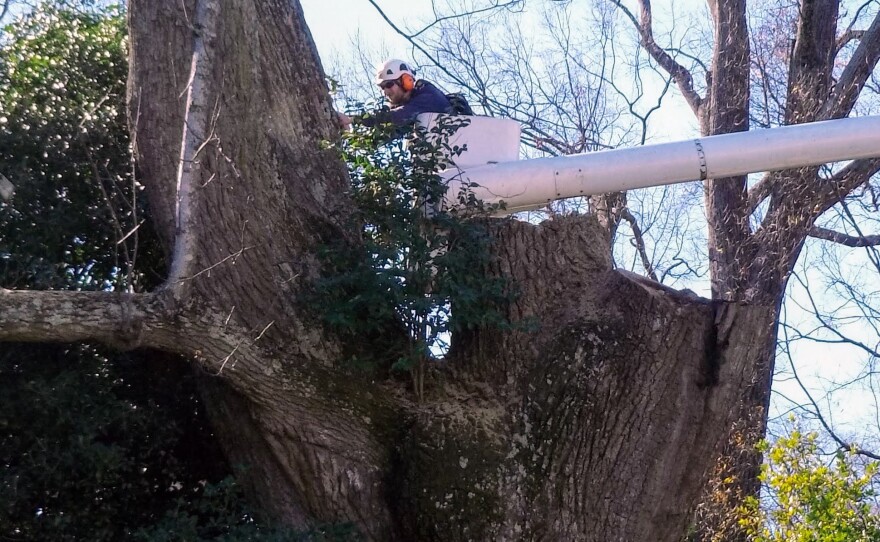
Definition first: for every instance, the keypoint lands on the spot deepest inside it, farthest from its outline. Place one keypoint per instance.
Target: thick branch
(257, 191)
(195, 137)
(759, 192)
(113, 318)
(829, 193)
(727, 112)
(857, 71)
(805, 197)
(127, 321)
(799, 197)
(854, 241)
(682, 76)
(848, 36)
(811, 60)
(155, 109)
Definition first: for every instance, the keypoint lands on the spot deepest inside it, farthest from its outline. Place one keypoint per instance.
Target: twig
(231, 256)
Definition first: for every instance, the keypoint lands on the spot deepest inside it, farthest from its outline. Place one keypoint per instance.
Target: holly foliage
(75, 220)
(424, 262)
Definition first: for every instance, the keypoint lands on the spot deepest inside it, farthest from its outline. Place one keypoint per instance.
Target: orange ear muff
(407, 82)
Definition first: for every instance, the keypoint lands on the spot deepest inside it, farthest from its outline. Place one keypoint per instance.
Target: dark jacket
(425, 98)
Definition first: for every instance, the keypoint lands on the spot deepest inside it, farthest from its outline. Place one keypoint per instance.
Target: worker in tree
(407, 96)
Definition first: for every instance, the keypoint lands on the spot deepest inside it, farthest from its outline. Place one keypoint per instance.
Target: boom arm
(531, 184)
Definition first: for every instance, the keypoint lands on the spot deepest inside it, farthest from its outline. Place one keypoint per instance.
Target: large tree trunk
(599, 420)
(600, 424)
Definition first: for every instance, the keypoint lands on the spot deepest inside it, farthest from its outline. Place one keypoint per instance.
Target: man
(407, 97)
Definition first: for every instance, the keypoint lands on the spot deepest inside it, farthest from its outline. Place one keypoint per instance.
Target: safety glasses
(387, 84)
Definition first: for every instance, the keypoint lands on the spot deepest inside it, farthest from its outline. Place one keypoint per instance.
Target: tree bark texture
(597, 418)
(726, 110)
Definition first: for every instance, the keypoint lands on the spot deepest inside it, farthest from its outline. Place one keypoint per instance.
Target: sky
(335, 22)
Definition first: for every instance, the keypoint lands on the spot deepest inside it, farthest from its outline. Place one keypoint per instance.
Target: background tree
(600, 422)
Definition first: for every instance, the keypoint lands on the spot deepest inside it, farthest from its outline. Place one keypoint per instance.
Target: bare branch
(126, 321)
(816, 195)
(438, 20)
(639, 242)
(829, 193)
(870, 250)
(679, 73)
(818, 413)
(787, 340)
(844, 239)
(855, 75)
(208, 269)
(826, 323)
(853, 21)
(409, 38)
(848, 36)
(759, 192)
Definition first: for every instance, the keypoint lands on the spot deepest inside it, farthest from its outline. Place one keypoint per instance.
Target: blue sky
(334, 22)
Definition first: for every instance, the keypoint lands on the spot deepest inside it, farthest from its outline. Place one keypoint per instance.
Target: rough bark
(263, 196)
(726, 110)
(585, 460)
(598, 418)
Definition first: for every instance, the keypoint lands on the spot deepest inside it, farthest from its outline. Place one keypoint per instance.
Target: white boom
(531, 184)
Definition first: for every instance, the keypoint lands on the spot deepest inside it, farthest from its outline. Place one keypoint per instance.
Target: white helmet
(391, 70)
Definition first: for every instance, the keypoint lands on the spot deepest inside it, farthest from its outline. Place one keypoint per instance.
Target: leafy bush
(423, 265)
(74, 220)
(90, 451)
(811, 500)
